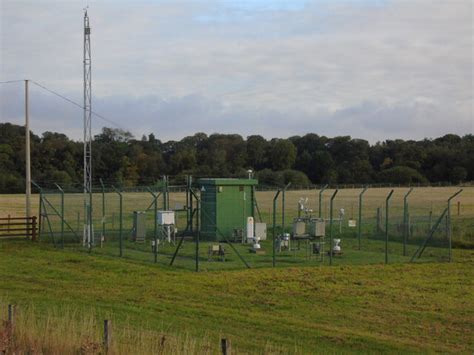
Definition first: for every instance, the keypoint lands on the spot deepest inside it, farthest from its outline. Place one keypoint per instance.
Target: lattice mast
(88, 227)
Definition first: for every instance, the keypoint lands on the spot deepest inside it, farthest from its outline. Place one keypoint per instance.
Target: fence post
(40, 216)
(155, 224)
(11, 315)
(377, 227)
(283, 207)
(405, 221)
(62, 214)
(107, 334)
(330, 226)
(198, 236)
(103, 210)
(321, 200)
(283, 210)
(274, 227)
(39, 207)
(409, 229)
(190, 206)
(446, 225)
(225, 346)
(33, 230)
(198, 224)
(198, 209)
(360, 214)
(155, 227)
(449, 223)
(386, 224)
(188, 213)
(459, 208)
(165, 193)
(120, 221)
(422, 247)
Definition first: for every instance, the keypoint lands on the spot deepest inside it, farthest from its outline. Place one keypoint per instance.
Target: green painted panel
(208, 212)
(225, 206)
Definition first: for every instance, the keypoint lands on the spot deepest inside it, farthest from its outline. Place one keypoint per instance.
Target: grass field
(344, 309)
(302, 306)
(421, 200)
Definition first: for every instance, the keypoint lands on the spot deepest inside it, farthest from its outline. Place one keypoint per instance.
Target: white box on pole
(165, 218)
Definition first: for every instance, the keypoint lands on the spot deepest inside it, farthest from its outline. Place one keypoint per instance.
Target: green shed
(225, 206)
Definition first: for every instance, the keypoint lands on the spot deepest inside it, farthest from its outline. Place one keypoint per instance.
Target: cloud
(177, 117)
(370, 69)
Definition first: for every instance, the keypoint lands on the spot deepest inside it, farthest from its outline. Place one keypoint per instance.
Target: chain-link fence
(209, 227)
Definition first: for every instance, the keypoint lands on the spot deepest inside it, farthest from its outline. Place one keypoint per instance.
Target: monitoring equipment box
(317, 228)
(225, 206)
(165, 218)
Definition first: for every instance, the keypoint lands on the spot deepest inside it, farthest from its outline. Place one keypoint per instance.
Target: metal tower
(88, 227)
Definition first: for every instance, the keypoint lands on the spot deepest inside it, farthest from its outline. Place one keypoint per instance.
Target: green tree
(401, 175)
(457, 174)
(297, 178)
(256, 152)
(283, 154)
(270, 178)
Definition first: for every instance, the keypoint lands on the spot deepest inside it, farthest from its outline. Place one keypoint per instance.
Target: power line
(11, 81)
(57, 94)
(64, 98)
(76, 104)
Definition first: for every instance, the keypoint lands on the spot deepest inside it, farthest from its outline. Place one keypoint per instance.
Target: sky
(371, 69)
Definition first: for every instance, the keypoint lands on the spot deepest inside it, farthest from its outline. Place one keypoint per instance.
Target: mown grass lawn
(398, 308)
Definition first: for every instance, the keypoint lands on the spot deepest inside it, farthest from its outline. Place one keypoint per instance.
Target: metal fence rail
(372, 225)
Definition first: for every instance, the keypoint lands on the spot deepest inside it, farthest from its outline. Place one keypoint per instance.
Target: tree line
(121, 159)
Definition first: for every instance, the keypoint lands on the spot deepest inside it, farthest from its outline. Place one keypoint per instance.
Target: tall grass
(66, 331)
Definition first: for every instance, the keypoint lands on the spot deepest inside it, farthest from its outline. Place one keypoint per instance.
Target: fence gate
(11, 227)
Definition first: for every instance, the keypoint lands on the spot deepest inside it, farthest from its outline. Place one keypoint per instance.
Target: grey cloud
(372, 69)
(177, 117)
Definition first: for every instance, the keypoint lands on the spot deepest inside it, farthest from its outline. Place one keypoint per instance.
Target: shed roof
(228, 182)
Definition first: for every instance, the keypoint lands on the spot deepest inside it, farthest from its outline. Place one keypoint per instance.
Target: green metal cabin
(225, 206)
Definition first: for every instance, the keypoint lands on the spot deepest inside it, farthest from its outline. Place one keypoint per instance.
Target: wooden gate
(18, 227)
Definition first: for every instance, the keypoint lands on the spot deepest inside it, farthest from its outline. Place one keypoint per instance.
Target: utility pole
(88, 226)
(27, 150)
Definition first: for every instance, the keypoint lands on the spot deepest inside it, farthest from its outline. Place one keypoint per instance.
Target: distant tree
(61, 177)
(270, 177)
(401, 175)
(183, 160)
(129, 172)
(120, 159)
(113, 135)
(324, 167)
(6, 158)
(283, 154)
(305, 163)
(297, 178)
(256, 152)
(457, 174)
(11, 183)
(330, 177)
(362, 171)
